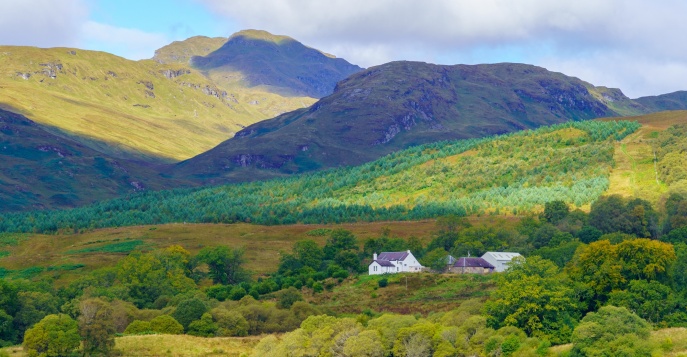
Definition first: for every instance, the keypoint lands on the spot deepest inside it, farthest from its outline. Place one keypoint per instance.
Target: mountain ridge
(276, 63)
(397, 105)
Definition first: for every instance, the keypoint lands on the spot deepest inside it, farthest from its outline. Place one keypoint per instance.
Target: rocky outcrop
(51, 69)
(171, 74)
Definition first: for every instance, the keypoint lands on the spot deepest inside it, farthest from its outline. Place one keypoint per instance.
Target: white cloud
(53, 23)
(130, 43)
(603, 41)
(42, 23)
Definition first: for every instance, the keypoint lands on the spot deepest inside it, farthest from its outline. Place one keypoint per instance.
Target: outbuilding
(500, 260)
(471, 266)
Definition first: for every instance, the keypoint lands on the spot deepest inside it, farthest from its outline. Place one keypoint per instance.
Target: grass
(677, 337)
(100, 99)
(172, 346)
(119, 247)
(634, 174)
(183, 345)
(411, 293)
(12, 239)
(182, 51)
(263, 244)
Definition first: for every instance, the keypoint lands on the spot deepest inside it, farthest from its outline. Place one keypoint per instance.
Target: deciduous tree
(53, 336)
(96, 327)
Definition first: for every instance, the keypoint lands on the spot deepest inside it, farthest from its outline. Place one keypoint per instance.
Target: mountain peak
(261, 35)
(275, 63)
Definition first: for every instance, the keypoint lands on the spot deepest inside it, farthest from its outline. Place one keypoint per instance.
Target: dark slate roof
(392, 255)
(472, 263)
(385, 263)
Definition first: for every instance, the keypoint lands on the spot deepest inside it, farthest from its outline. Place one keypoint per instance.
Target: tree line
(509, 173)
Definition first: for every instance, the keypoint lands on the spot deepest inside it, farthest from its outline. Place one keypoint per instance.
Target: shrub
(205, 327)
(612, 331)
(138, 327)
(229, 323)
(383, 282)
(54, 335)
(166, 324)
(237, 293)
(189, 310)
(287, 297)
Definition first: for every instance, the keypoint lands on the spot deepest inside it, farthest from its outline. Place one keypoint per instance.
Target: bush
(383, 282)
(189, 310)
(54, 335)
(205, 327)
(166, 324)
(612, 331)
(138, 327)
(288, 297)
(229, 323)
(237, 293)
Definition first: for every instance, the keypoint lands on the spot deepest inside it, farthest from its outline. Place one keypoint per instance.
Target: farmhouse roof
(385, 263)
(393, 255)
(507, 256)
(472, 263)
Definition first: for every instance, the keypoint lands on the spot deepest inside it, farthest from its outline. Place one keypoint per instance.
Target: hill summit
(397, 105)
(279, 64)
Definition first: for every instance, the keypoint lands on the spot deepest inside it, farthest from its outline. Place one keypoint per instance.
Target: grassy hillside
(671, 101)
(394, 106)
(144, 110)
(511, 173)
(636, 172)
(70, 255)
(182, 51)
(44, 170)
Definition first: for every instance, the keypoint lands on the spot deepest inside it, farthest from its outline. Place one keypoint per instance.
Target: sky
(634, 45)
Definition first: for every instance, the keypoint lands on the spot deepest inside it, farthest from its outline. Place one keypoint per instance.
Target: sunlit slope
(182, 51)
(143, 109)
(638, 161)
(511, 173)
(42, 170)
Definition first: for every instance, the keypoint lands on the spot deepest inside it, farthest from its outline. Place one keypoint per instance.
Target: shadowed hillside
(397, 105)
(277, 64)
(44, 170)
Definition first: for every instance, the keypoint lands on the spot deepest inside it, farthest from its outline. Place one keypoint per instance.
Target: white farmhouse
(500, 260)
(394, 262)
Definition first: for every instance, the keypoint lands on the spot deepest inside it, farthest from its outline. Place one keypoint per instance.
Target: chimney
(408, 251)
(374, 256)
